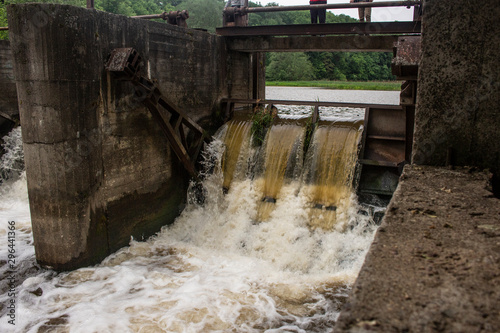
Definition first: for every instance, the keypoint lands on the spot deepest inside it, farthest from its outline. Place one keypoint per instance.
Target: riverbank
(344, 85)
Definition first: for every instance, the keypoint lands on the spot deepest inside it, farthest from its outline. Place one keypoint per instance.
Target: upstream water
(227, 266)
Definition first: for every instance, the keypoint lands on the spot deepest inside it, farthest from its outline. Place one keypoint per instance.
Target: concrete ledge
(434, 265)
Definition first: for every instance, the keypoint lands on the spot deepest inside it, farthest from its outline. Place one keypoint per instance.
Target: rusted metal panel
(408, 93)
(406, 56)
(362, 28)
(410, 127)
(386, 123)
(377, 180)
(384, 149)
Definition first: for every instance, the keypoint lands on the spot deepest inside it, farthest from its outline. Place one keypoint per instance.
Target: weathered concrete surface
(99, 168)
(459, 82)
(8, 96)
(434, 265)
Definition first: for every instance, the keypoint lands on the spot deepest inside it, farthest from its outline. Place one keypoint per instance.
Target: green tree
(204, 14)
(289, 66)
(207, 14)
(3, 22)
(5, 3)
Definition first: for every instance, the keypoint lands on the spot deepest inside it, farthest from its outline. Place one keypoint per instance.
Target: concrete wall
(8, 96)
(458, 98)
(99, 168)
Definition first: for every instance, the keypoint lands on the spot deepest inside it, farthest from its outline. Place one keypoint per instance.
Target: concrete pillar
(99, 169)
(457, 116)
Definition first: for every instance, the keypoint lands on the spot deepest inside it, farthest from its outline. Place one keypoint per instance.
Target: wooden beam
(358, 28)
(303, 44)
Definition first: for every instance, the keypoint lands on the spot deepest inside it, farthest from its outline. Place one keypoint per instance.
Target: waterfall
(228, 264)
(236, 136)
(329, 174)
(279, 163)
(326, 180)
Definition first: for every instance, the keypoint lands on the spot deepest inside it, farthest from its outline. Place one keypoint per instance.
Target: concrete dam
(269, 231)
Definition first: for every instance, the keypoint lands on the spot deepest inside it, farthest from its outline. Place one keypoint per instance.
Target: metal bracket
(124, 63)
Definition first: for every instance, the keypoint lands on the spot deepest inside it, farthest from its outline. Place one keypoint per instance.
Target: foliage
(288, 66)
(204, 14)
(207, 14)
(261, 121)
(3, 22)
(310, 126)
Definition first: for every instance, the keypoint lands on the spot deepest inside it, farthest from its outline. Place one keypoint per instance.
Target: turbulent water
(224, 266)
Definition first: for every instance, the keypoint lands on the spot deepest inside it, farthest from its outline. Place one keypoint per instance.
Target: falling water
(330, 171)
(216, 268)
(280, 163)
(236, 135)
(12, 161)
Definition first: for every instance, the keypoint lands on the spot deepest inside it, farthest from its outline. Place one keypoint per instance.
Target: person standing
(365, 14)
(318, 13)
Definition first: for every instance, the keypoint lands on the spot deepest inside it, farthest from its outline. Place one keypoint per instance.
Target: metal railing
(238, 14)
(406, 3)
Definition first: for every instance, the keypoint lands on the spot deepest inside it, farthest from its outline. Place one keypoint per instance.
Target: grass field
(348, 85)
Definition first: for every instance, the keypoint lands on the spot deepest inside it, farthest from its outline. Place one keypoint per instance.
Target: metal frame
(407, 3)
(308, 103)
(359, 28)
(176, 17)
(349, 43)
(235, 15)
(124, 63)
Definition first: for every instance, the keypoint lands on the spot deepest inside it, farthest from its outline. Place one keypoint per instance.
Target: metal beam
(309, 103)
(317, 44)
(365, 28)
(124, 63)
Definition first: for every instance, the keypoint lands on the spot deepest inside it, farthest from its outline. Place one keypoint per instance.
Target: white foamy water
(214, 270)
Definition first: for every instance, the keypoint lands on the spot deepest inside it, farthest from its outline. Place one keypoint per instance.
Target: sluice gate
(385, 145)
(295, 158)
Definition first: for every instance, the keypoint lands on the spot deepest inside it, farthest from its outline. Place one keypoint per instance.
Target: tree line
(207, 14)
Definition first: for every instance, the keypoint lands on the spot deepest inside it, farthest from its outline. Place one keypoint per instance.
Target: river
(330, 95)
(214, 270)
